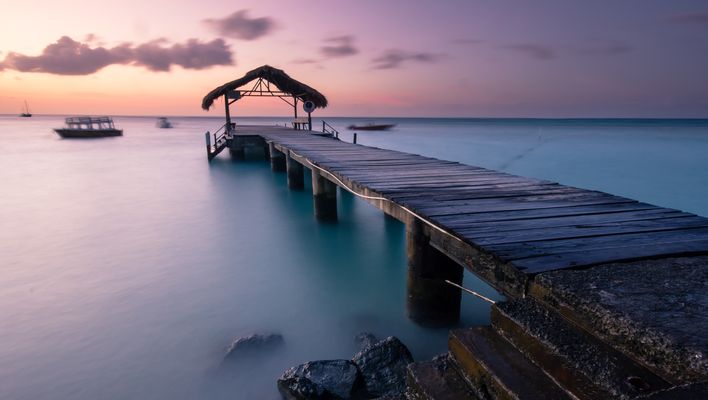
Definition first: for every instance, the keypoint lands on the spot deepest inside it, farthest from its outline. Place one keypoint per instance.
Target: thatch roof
(275, 76)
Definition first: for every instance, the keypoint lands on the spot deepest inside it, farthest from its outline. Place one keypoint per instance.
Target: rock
(248, 344)
(365, 339)
(383, 367)
(326, 379)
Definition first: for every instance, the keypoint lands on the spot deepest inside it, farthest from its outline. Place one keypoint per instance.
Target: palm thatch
(275, 76)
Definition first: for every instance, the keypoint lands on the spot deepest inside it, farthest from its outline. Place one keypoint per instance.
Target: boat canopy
(89, 123)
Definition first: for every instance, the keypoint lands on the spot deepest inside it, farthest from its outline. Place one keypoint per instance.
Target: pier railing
(221, 140)
(327, 128)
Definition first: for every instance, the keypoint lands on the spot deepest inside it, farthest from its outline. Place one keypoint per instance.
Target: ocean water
(129, 264)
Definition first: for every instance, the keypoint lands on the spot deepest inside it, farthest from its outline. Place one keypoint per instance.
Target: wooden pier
(510, 231)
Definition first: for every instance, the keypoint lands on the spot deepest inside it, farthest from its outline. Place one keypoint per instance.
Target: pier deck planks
(531, 224)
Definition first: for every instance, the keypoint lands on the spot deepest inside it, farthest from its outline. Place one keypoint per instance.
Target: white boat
(163, 123)
(88, 127)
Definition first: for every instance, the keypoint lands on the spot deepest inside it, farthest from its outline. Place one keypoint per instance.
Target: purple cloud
(396, 58)
(239, 26)
(696, 17)
(536, 51)
(69, 57)
(191, 55)
(340, 46)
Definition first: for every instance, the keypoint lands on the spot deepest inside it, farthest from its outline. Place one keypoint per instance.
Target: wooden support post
(354, 141)
(238, 148)
(277, 158)
(228, 113)
(296, 174)
(325, 197)
(208, 144)
(430, 301)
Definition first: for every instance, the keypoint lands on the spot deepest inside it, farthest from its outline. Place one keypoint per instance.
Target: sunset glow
(394, 58)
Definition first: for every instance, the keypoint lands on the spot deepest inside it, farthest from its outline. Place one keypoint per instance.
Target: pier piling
(430, 301)
(324, 193)
(296, 175)
(277, 159)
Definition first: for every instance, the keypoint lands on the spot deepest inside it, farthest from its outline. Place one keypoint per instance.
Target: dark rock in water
(365, 339)
(320, 380)
(249, 344)
(383, 367)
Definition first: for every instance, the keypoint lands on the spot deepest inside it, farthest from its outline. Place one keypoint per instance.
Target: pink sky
(370, 58)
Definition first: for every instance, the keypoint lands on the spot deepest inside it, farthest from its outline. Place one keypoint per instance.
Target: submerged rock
(383, 367)
(251, 343)
(365, 339)
(320, 380)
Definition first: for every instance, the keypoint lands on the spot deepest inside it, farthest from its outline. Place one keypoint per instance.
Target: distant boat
(163, 123)
(88, 127)
(26, 111)
(371, 127)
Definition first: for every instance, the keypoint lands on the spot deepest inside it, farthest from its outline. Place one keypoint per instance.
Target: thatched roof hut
(278, 77)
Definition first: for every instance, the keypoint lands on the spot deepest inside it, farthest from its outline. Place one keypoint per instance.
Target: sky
(454, 58)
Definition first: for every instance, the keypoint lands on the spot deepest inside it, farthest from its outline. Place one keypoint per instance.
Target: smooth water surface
(130, 263)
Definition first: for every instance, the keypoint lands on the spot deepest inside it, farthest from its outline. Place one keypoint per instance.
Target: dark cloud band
(240, 26)
(339, 46)
(69, 57)
(397, 58)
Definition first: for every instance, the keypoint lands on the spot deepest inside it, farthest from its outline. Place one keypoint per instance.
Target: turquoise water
(129, 264)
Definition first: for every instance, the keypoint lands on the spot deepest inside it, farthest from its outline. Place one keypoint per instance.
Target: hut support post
(296, 174)
(295, 105)
(228, 113)
(430, 301)
(325, 197)
(277, 158)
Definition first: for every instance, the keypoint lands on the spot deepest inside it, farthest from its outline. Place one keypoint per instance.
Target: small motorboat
(163, 123)
(88, 127)
(371, 127)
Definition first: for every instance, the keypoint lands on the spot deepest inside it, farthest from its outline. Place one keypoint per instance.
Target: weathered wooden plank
(584, 231)
(457, 193)
(551, 222)
(486, 194)
(408, 171)
(516, 251)
(376, 177)
(392, 187)
(586, 258)
(460, 220)
(518, 203)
